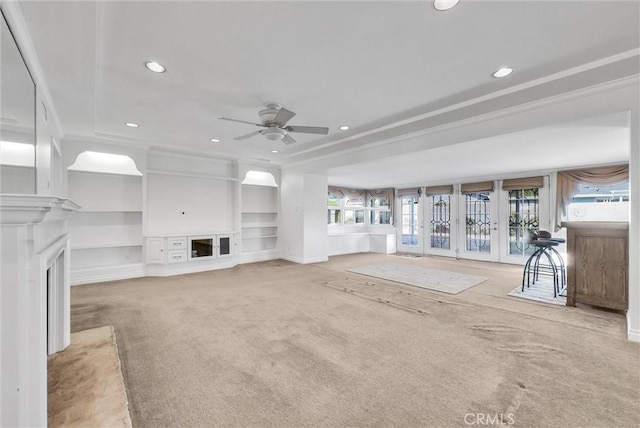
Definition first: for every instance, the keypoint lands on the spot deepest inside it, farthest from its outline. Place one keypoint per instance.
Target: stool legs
(556, 268)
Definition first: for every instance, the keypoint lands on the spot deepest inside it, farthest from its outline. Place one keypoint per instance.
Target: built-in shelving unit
(259, 218)
(106, 234)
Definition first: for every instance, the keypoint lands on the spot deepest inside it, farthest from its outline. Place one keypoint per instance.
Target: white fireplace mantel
(34, 301)
(31, 209)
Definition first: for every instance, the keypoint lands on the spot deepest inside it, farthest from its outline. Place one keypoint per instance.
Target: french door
(441, 224)
(523, 210)
(490, 225)
(478, 226)
(410, 230)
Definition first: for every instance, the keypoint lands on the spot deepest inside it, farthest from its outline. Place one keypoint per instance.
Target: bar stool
(554, 266)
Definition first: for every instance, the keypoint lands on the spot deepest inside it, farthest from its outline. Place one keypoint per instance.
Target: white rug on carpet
(430, 279)
(541, 291)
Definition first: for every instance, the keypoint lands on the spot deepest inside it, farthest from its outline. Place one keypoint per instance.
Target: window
(349, 207)
(440, 207)
(343, 211)
(600, 203)
(379, 210)
(524, 217)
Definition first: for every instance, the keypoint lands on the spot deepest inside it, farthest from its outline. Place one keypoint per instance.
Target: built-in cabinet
(173, 255)
(598, 264)
(259, 218)
(180, 249)
(106, 234)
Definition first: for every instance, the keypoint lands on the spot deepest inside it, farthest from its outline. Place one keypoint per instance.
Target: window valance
(569, 182)
(414, 192)
(484, 186)
(439, 190)
(523, 183)
(343, 192)
(381, 193)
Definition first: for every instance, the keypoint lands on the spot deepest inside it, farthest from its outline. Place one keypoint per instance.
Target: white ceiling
(600, 140)
(366, 64)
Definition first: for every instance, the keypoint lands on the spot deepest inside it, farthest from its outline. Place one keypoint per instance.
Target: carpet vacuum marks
(429, 279)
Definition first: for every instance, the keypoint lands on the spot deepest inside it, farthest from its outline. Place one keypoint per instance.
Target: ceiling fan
(274, 121)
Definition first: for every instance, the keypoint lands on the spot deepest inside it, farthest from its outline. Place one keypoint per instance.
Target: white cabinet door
(155, 250)
(225, 246)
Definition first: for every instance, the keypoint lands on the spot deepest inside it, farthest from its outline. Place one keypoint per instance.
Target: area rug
(86, 388)
(541, 291)
(430, 279)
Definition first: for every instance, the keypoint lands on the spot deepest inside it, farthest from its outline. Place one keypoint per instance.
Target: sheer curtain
(569, 182)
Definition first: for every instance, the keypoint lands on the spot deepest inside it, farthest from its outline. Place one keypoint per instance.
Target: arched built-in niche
(106, 163)
(260, 178)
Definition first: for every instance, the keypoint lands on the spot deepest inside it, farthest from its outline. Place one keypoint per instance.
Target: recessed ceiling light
(275, 151)
(444, 4)
(155, 67)
(505, 71)
(132, 125)
(215, 140)
(344, 128)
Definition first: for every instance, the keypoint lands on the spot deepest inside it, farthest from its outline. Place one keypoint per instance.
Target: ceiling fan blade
(288, 140)
(308, 129)
(241, 121)
(283, 116)
(244, 137)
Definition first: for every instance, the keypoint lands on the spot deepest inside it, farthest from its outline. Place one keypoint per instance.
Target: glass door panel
(524, 217)
(410, 239)
(478, 226)
(440, 224)
(522, 210)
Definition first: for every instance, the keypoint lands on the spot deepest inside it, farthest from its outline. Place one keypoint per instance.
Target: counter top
(595, 224)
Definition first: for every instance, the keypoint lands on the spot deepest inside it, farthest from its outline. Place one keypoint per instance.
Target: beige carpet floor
(85, 383)
(278, 344)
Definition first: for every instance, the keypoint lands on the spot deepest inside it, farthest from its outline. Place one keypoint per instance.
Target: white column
(633, 314)
(316, 240)
(303, 210)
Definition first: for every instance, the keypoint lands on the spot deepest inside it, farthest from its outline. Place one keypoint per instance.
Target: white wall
(187, 205)
(44, 148)
(633, 314)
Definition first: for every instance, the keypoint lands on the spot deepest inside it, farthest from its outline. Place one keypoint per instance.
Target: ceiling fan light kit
(274, 134)
(274, 119)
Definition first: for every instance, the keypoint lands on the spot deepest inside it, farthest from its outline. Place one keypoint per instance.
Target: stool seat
(544, 242)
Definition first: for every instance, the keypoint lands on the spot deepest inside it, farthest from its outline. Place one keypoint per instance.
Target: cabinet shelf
(258, 225)
(259, 237)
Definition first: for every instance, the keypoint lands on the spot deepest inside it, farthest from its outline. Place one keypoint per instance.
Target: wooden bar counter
(598, 264)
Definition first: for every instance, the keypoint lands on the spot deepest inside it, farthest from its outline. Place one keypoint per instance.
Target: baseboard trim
(187, 267)
(303, 261)
(633, 335)
(258, 256)
(109, 273)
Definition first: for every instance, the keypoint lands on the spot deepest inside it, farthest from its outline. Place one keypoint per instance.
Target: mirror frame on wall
(31, 130)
